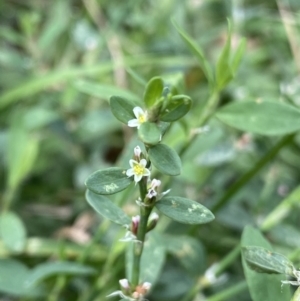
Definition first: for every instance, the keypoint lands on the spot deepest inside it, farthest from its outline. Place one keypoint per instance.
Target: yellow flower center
(138, 169)
(142, 118)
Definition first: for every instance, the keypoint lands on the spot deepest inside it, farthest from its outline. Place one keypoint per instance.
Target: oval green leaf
(149, 133)
(13, 277)
(153, 91)
(262, 286)
(179, 105)
(262, 260)
(187, 250)
(265, 117)
(106, 208)
(165, 159)
(12, 231)
(184, 210)
(48, 269)
(122, 108)
(108, 181)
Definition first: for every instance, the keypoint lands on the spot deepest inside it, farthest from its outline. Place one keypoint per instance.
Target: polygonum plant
(152, 119)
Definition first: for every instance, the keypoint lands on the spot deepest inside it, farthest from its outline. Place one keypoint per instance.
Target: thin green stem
(228, 293)
(222, 266)
(203, 119)
(252, 172)
(7, 199)
(141, 234)
(60, 283)
(228, 260)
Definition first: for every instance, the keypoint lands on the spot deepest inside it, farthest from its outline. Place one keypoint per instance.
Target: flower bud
(135, 224)
(124, 283)
(141, 290)
(152, 221)
(152, 189)
(137, 152)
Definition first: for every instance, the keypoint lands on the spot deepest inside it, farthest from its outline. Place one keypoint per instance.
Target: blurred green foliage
(60, 62)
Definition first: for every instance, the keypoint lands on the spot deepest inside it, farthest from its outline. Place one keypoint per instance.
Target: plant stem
(58, 286)
(228, 260)
(252, 172)
(222, 265)
(282, 210)
(228, 293)
(203, 119)
(141, 234)
(7, 199)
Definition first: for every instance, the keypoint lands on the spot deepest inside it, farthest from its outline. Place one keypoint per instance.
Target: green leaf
(187, 250)
(184, 210)
(195, 49)
(237, 57)
(165, 159)
(13, 277)
(22, 152)
(178, 106)
(108, 181)
(12, 231)
(48, 269)
(149, 133)
(223, 71)
(106, 208)
(153, 91)
(265, 117)
(262, 260)
(262, 286)
(122, 108)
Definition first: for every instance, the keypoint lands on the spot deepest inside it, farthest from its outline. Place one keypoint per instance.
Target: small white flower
(141, 117)
(138, 170)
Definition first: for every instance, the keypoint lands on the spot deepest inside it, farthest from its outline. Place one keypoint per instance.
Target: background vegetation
(60, 62)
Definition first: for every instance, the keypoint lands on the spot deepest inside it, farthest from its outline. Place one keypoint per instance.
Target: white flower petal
(137, 178)
(132, 163)
(133, 123)
(129, 172)
(137, 111)
(146, 172)
(143, 162)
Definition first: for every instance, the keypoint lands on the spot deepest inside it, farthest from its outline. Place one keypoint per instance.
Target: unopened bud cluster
(134, 294)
